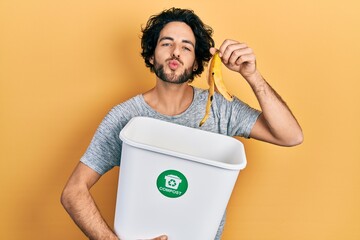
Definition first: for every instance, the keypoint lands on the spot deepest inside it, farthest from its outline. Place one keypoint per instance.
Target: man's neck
(169, 98)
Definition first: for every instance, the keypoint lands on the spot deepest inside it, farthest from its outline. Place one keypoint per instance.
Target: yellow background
(64, 64)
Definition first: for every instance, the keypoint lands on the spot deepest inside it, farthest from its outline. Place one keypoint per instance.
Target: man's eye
(166, 44)
(186, 48)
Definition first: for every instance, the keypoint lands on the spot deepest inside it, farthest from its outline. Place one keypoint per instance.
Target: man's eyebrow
(189, 42)
(172, 39)
(166, 38)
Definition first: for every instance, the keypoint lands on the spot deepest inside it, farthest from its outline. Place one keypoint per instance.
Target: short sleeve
(236, 117)
(242, 118)
(104, 151)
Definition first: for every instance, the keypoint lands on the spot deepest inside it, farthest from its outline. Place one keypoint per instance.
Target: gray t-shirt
(229, 118)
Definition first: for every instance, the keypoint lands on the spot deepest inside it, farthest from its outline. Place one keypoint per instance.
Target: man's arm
(80, 205)
(276, 124)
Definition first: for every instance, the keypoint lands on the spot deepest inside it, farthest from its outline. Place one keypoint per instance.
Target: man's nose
(176, 52)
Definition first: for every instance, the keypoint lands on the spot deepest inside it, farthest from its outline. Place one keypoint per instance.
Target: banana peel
(216, 83)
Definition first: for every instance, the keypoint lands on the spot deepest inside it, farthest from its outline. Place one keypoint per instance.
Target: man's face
(174, 57)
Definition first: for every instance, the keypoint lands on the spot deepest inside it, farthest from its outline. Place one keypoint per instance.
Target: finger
(231, 49)
(213, 50)
(163, 237)
(247, 58)
(239, 54)
(225, 44)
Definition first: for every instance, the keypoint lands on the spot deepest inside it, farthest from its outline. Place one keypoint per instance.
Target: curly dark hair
(202, 32)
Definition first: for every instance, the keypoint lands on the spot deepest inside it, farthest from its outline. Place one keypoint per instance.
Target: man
(175, 46)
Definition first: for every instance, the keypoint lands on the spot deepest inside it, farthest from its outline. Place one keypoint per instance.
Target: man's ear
(151, 59)
(195, 67)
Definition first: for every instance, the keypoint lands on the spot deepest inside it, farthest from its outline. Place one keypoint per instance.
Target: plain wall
(64, 64)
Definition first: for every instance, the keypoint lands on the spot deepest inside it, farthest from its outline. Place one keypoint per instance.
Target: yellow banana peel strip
(215, 82)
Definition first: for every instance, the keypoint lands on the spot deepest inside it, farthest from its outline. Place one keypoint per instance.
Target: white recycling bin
(174, 180)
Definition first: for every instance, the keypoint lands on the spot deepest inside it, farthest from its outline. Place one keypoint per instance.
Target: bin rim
(235, 166)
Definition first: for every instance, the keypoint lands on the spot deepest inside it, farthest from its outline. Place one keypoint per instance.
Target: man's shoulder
(128, 106)
(200, 92)
(135, 100)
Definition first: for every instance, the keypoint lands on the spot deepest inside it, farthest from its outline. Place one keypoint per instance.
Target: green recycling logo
(172, 183)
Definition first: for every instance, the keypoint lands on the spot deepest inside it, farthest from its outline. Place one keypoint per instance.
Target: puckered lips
(174, 64)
